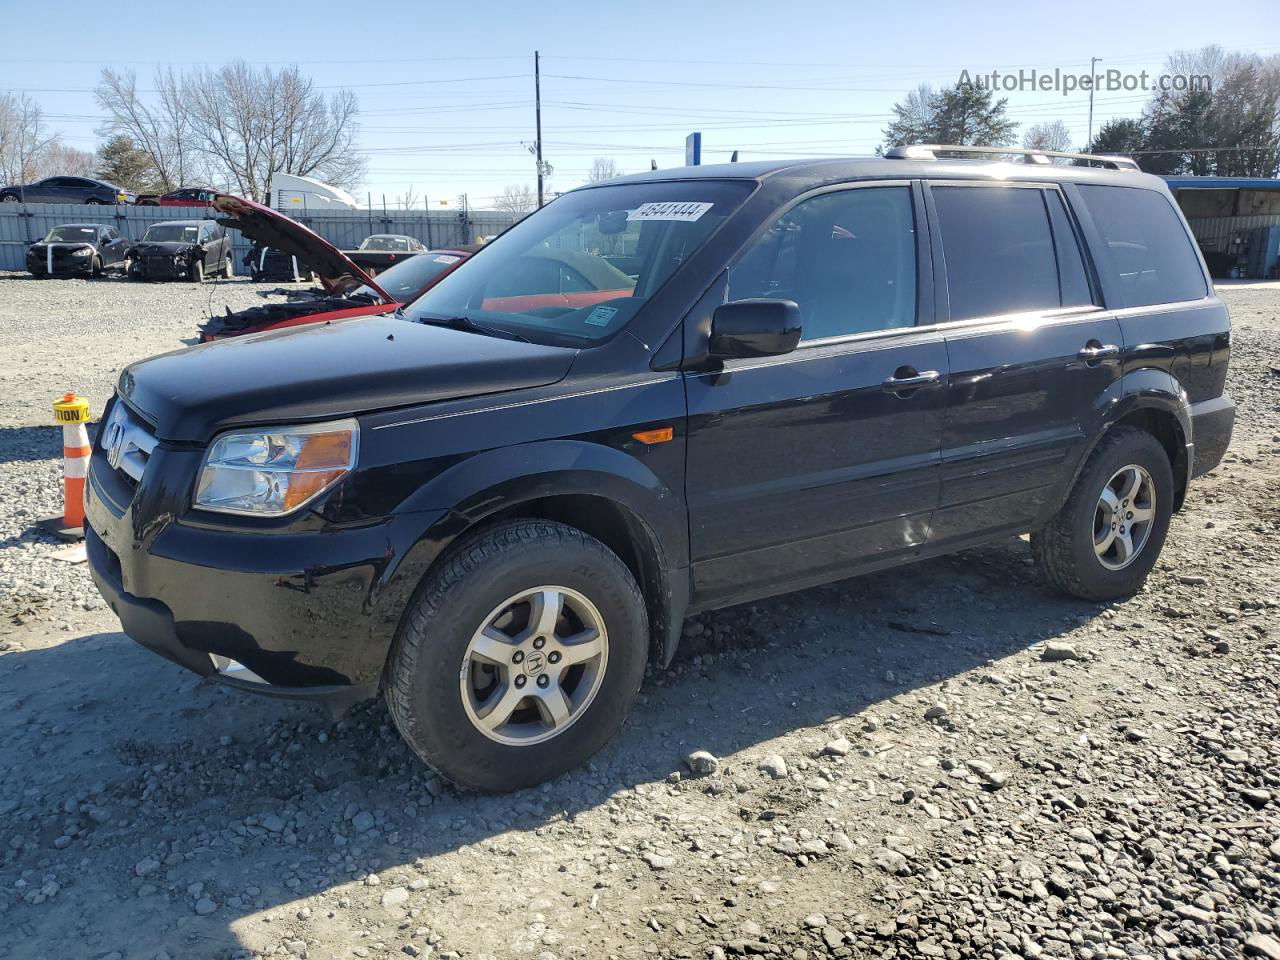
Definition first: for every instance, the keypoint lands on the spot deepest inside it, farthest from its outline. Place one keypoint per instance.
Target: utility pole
(537, 113)
(1093, 62)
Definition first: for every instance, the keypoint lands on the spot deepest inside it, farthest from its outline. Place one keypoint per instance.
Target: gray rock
(702, 763)
(146, 867)
(362, 821)
(1256, 798)
(273, 823)
(839, 747)
(774, 766)
(395, 898)
(658, 861)
(1261, 945)
(204, 906)
(1056, 651)
(936, 712)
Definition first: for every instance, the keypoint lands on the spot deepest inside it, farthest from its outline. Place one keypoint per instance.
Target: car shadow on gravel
(170, 813)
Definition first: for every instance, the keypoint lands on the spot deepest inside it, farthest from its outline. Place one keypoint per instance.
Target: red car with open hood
(348, 290)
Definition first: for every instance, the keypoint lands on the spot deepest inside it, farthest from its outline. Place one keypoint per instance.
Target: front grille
(127, 441)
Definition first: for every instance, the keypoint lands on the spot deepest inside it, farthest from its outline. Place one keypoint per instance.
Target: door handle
(911, 381)
(1093, 351)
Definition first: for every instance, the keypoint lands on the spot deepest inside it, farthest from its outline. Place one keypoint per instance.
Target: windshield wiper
(472, 326)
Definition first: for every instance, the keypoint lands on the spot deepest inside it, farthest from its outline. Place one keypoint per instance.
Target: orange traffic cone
(73, 413)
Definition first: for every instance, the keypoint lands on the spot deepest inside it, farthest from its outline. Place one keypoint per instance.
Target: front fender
(494, 481)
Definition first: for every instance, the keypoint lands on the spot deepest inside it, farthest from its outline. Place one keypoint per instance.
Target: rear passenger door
(808, 466)
(1032, 354)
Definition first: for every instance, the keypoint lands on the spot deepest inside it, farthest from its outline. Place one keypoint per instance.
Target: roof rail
(929, 151)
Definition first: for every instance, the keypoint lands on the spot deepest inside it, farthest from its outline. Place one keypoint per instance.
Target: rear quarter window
(1147, 245)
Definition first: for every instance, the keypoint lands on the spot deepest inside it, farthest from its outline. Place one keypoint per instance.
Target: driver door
(806, 467)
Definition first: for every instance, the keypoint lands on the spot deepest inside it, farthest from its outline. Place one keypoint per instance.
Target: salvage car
(346, 290)
(70, 249)
(266, 263)
(181, 250)
(382, 250)
(496, 507)
(66, 190)
(186, 197)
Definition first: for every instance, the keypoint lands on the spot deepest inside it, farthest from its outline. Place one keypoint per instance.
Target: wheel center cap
(535, 663)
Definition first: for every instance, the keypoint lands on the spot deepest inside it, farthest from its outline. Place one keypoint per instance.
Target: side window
(1072, 279)
(998, 250)
(1147, 244)
(847, 258)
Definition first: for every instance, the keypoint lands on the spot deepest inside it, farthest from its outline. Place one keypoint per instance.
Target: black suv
(495, 506)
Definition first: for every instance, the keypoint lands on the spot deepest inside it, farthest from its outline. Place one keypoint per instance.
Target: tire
(196, 274)
(1067, 549)
(228, 268)
(91, 202)
(431, 674)
(95, 267)
(9, 198)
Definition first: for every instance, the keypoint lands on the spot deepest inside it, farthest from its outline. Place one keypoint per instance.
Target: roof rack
(929, 151)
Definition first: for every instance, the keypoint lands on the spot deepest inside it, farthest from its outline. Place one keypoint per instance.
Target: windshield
(579, 269)
(406, 279)
(172, 233)
(386, 243)
(72, 235)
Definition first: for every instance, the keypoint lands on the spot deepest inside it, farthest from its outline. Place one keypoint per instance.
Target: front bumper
(303, 610)
(62, 267)
(161, 268)
(151, 624)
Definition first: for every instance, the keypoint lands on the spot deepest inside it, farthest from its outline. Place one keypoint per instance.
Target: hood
(321, 371)
(270, 228)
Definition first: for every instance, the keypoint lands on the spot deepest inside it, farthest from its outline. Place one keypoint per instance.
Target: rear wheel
(519, 657)
(1108, 535)
(9, 198)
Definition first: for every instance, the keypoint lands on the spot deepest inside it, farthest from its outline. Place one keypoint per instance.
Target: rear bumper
(1211, 424)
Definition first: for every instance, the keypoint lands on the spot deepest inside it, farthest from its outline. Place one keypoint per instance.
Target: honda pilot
(657, 396)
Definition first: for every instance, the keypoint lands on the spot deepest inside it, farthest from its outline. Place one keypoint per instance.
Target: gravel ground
(938, 761)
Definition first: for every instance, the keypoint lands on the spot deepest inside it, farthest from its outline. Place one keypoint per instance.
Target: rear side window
(1147, 245)
(1072, 279)
(998, 249)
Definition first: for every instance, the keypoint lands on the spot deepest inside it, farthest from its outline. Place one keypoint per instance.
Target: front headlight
(273, 471)
(81, 252)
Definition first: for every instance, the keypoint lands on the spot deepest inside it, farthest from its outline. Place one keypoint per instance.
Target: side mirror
(754, 328)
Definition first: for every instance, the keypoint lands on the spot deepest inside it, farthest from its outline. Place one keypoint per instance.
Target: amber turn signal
(660, 435)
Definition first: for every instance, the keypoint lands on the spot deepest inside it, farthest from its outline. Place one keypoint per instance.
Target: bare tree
(603, 169)
(160, 126)
(516, 200)
(409, 199)
(23, 138)
(59, 159)
(237, 125)
(257, 122)
(1053, 135)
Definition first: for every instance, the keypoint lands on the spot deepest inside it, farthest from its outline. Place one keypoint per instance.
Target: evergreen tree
(121, 162)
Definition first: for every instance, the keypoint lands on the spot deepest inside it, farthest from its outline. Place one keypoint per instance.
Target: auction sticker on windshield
(669, 210)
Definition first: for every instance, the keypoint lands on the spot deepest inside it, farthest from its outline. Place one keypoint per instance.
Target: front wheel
(197, 272)
(95, 268)
(1107, 536)
(9, 198)
(519, 656)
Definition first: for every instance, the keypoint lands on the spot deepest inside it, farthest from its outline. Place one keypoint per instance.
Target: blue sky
(446, 89)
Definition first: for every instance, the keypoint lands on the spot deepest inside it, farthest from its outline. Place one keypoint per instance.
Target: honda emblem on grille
(114, 443)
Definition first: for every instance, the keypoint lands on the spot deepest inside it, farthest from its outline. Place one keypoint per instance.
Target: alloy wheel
(1124, 517)
(534, 665)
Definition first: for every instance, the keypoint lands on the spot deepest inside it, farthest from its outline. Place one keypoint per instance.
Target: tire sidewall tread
(421, 683)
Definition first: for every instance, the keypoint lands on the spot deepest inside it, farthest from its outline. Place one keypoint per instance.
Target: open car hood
(271, 228)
